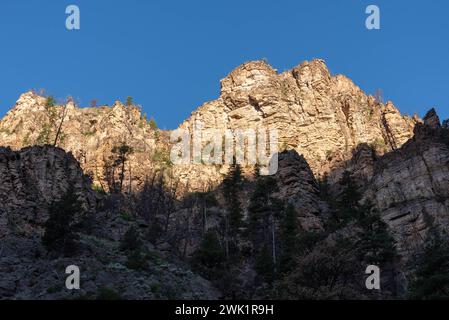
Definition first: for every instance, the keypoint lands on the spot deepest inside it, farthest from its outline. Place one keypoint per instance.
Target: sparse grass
(26, 139)
(379, 144)
(5, 130)
(97, 188)
(88, 133)
(162, 157)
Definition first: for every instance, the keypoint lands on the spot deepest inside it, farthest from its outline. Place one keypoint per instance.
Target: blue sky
(171, 55)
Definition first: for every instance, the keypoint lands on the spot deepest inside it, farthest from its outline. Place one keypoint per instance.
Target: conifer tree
(50, 102)
(347, 204)
(209, 258)
(289, 232)
(132, 245)
(265, 266)
(351, 196)
(131, 240)
(120, 156)
(59, 235)
(129, 101)
(264, 211)
(232, 188)
(432, 274)
(152, 123)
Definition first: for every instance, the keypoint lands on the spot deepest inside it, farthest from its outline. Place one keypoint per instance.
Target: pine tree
(259, 207)
(348, 203)
(120, 156)
(129, 101)
(50, 102)
(289, 241)
(232, 188)
(59, 235)
(432, 274)
(351, 196)
(136, 260)
(264, 265)
(209, 258)
(133, 246)
(264, 211)
(131, 240)
(375, 245)
(152, 124)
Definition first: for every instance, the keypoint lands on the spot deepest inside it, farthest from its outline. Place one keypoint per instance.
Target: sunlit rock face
(89, 133)
(322, 117)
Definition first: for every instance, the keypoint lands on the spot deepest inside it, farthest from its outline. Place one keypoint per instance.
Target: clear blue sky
(170, 55)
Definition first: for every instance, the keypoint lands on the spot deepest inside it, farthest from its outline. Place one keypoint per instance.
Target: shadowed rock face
(408, 186)
(298, 186)
(31, 179)
(412, 185)
(432, 120)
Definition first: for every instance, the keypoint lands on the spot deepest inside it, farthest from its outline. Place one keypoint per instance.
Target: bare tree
(61, 121)
(122, 152)
(378, 96)
(157, 201)
(116, 165)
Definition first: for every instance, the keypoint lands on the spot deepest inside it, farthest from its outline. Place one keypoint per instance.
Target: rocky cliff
(31, 179)
(90, 134)
(410, 186)
(34, 178)
(322, 117)
(326, 125)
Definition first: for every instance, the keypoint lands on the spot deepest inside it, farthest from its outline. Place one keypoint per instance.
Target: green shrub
(155, 287)
(162, 157)
(97, 188)
(44, 135)
(5, 130)
(50, 102)
(88, 133)
(127, 217)
(136, 260)
(152, 124)
(129, 101)
(432, 275)
(209, 259)
(105, 293)
(131, 240)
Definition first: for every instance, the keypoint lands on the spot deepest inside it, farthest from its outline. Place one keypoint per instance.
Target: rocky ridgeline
(325, 123)
(322, 117)
(89, 134)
